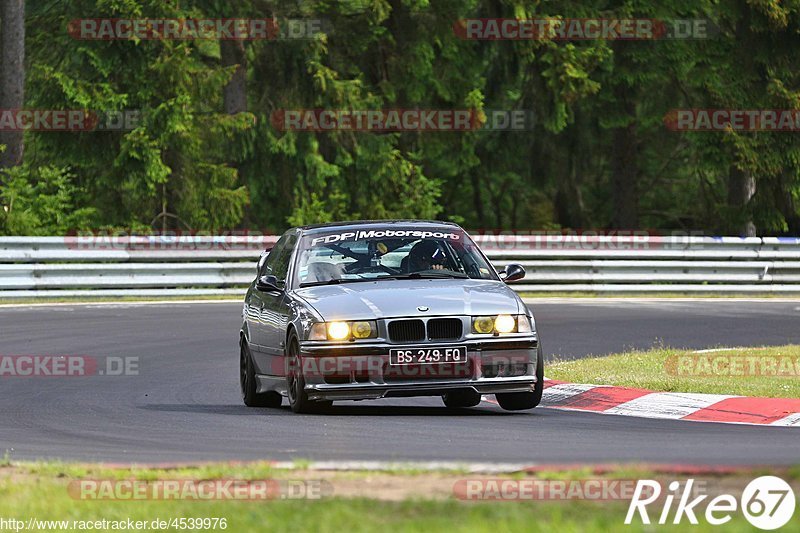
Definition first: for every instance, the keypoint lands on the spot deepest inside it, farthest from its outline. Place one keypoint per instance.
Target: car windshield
(389, 253)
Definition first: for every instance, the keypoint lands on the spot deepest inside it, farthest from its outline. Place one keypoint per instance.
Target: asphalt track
(184, 405)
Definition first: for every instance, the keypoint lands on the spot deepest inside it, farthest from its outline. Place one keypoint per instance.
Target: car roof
(319, 228)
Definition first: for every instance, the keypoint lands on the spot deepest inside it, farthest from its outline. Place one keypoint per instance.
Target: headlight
(505, 324)
(340, 331)
(487, 325)
(318, 332)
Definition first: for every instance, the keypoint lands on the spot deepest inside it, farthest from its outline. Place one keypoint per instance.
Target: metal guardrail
(33, 267)
(647, 264)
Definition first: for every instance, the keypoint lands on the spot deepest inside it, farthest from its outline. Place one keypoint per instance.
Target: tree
(205, 154)
(172, 166)
(12, 76)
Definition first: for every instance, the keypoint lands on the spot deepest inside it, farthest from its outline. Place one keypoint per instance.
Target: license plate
(427, 355)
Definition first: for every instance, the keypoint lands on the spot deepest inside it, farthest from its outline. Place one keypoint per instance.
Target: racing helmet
(424, 255)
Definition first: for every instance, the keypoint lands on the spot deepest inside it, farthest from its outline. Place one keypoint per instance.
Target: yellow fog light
(338, 331)
(362, 330)
(483, 324)
(505, 324)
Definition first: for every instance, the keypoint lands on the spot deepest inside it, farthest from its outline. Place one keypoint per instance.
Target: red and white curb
(643, 403)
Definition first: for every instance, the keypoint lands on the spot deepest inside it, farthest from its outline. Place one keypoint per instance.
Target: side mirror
(268, 284)
(512, 272)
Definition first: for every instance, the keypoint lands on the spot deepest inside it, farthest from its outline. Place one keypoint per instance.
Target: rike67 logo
(767, 502)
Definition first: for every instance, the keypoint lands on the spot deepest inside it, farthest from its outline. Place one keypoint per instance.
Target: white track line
(793, 420)
(132, 302)
(564, 391)
(473, 468)
(589, 300)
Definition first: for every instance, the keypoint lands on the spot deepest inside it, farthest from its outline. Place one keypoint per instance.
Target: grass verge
(425, 502)
(771, 372)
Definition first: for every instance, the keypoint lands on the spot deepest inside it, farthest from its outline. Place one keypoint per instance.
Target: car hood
(401, 298)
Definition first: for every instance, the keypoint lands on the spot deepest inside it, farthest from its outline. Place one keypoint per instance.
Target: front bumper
(359, 372)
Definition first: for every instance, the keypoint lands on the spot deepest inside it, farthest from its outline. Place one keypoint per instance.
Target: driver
(426, 255)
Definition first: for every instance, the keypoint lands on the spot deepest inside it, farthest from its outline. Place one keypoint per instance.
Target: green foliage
(42, 201)
(175, 160)
(599, 110)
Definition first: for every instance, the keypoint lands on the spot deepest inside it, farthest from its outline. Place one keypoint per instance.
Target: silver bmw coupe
(380, 309)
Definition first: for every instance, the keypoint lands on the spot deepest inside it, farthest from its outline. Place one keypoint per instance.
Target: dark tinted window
(278, 261)
(269, 264)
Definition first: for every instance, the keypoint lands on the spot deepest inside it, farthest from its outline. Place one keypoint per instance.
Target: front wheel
(520, 401)
(296, 384)
(247, 382)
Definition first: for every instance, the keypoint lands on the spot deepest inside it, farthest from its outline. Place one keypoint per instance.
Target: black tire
(247, 382)
(520, 401)
(295, 383)
(461, 398)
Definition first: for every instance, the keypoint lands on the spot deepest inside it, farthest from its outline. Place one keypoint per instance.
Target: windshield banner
(381, 234)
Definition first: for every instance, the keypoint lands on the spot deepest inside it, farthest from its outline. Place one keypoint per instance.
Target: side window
(278, 261)
(269, 265)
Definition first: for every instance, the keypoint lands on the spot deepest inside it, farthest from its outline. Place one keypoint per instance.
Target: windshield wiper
(331, 282)
(427, 275)
(413, 275)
